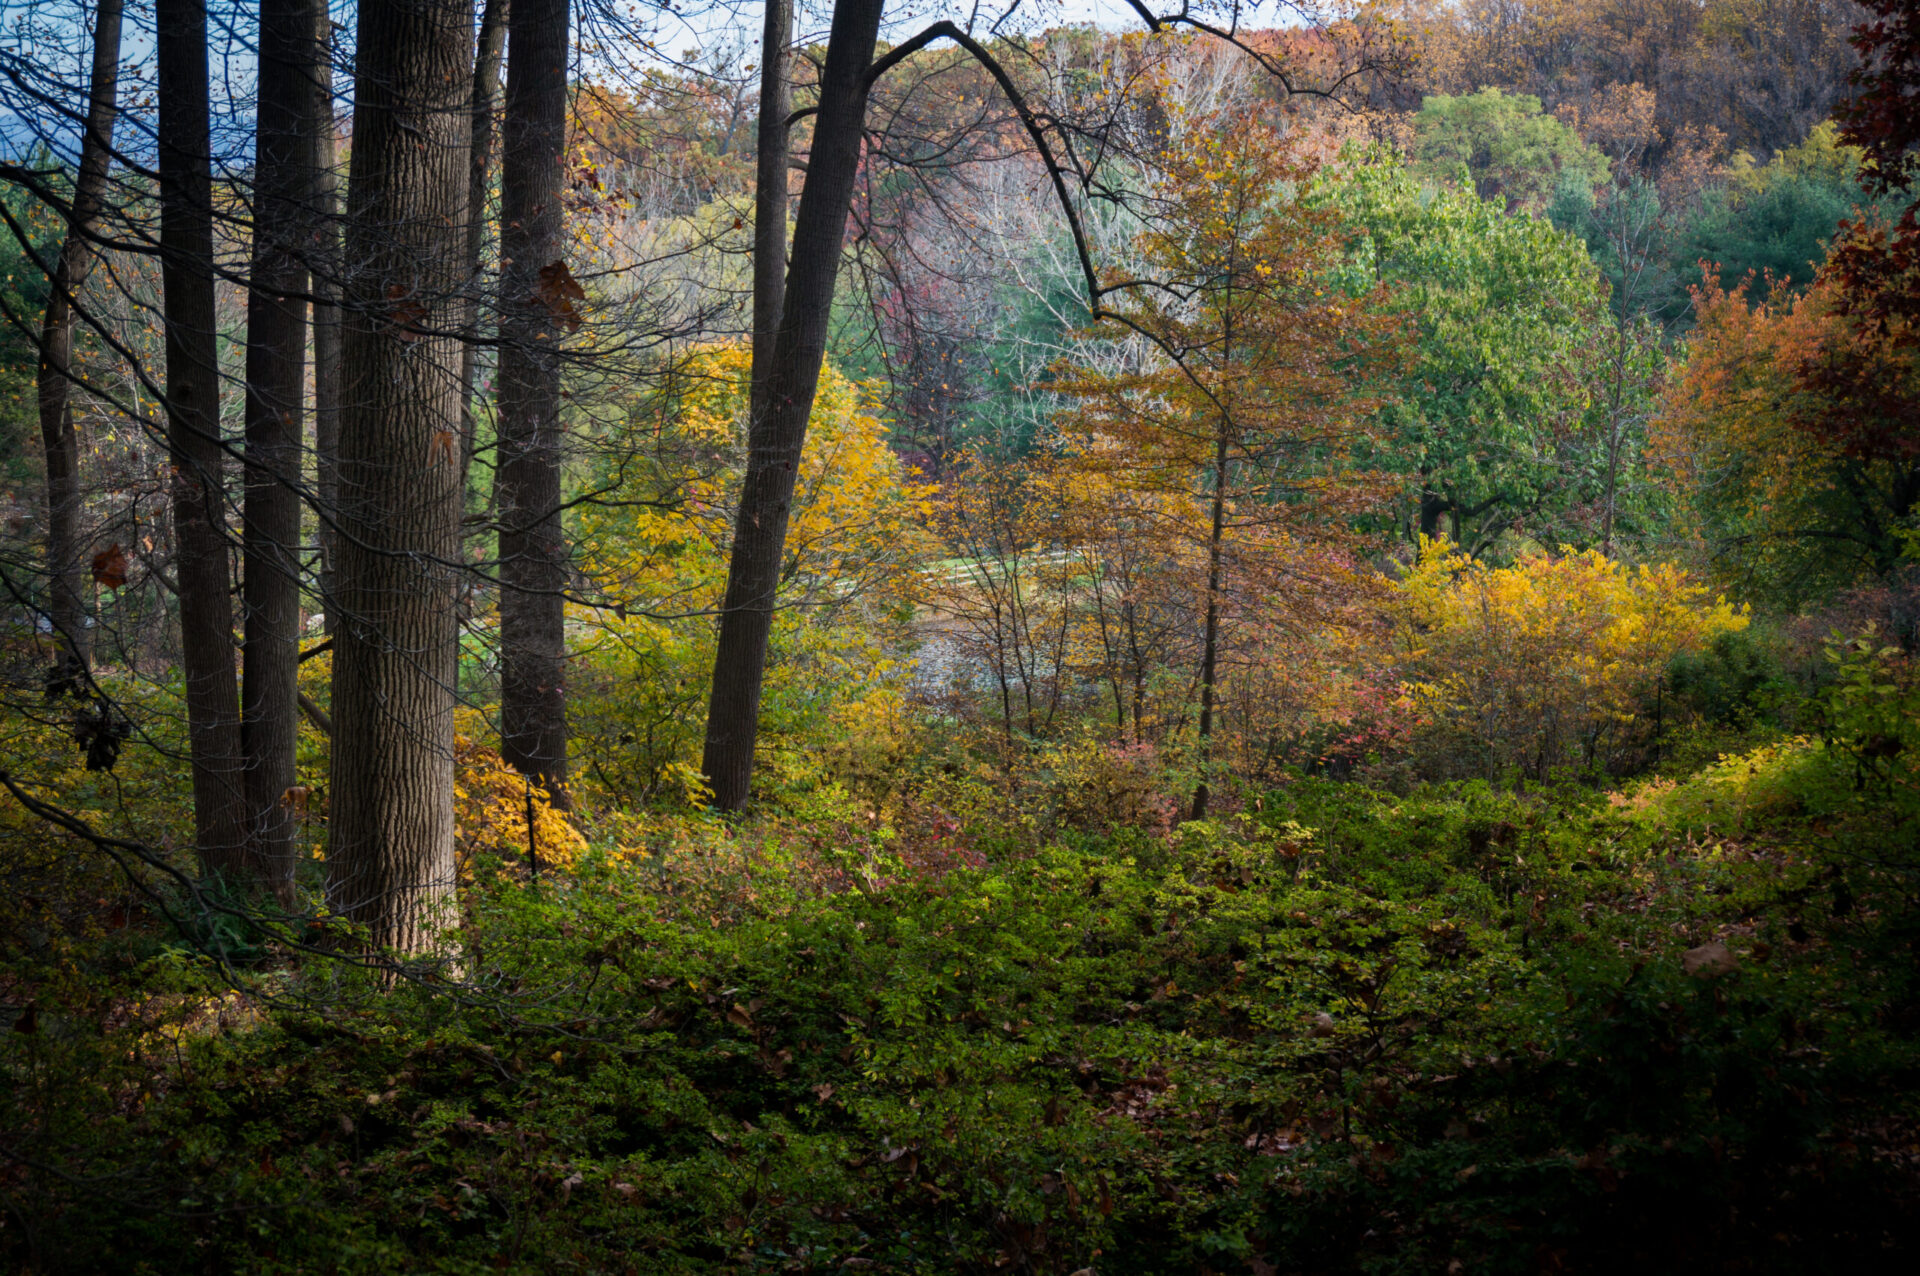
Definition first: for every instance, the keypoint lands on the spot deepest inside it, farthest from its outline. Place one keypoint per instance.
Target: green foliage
(1513, 154)
(1341, 1032)
(1503, 308)
(1739, 679)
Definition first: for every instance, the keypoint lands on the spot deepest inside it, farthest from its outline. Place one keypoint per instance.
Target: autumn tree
(1250, 421)
(833, 166)
(1787, 507)
(1873, 273)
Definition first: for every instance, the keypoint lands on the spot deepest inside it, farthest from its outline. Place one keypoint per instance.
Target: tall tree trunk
(323, 263)
(776, 440)
(276, 387)
(535, 312)
(1210, 638)
(66, 556)
(390, 859)
(486, 106)
(193, 437)
(770, 197)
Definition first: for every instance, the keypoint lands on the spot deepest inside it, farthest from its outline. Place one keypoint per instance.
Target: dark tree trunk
(66, 555)
(770, 197)
(276, 387)
(774, 447)
(535, 313)
(390, 863)
(486, 106)
(1210, 637)
(1432, 506)
(193, 438)
(324, 266)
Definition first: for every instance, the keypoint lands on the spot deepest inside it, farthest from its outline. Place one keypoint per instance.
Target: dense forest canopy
(699, 637)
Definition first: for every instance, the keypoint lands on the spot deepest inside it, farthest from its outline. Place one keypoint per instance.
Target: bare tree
(66, 566)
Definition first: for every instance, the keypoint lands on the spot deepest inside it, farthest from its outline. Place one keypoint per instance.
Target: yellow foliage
(494, 804)
(1539, 664)
(659, 544)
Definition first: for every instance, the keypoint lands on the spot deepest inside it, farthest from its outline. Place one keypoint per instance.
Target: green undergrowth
(1344, 1031)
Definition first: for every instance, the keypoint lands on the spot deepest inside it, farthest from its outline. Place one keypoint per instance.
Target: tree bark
(275, 425)
(193, 437)
(1210, 638)
(793, 375)
(535, 312)
(486, 105)
(390, 863)
(66, 556)
(770, 197)
(323, 265)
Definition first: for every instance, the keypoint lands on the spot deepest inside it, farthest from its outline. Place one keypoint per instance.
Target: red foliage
(1874, 269)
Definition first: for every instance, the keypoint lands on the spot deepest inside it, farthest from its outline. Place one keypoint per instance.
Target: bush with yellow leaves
(497, 811)
(1549, 663)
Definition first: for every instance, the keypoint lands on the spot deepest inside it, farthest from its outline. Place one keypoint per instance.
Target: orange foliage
(1807, 478)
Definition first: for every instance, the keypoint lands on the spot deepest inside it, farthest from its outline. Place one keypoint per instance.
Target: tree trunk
(775, 443)
(770, 197)
(323, 264)
(1210, 639)
(535, 312)
(486, 105)
(66, 556)
(390, 863)
(193, 437)
(276, 387)
(1432, 506)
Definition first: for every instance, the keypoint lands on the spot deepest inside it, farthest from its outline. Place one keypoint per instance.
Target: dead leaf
(1709, 960)
(405, 313)
(110, 567)
(561, 294)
